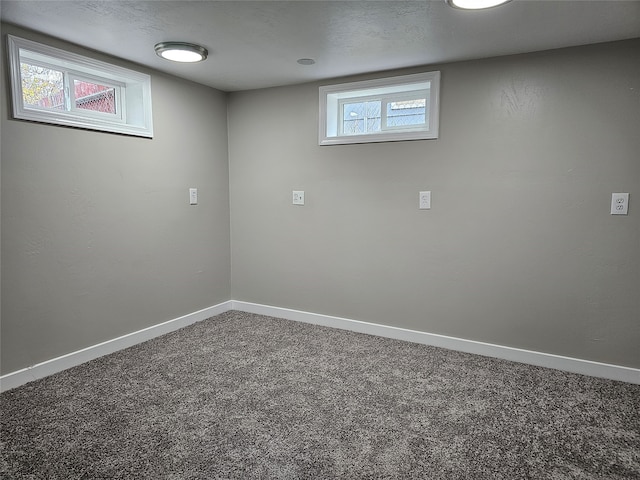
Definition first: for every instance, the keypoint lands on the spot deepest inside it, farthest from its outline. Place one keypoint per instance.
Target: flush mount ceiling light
(306, 61)
(181, 52)
(475, 4)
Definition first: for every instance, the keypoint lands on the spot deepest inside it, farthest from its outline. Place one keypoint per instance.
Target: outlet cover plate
(619, 203)
(424, 200)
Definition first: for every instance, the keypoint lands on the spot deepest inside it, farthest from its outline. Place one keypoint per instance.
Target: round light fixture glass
(306, 61)
(181, 52)
(475, 4)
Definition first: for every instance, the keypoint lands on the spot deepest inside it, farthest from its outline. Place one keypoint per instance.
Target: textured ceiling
(256, 44)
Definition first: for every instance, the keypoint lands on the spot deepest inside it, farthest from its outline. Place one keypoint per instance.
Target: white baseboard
(558, 362)
(41, 370)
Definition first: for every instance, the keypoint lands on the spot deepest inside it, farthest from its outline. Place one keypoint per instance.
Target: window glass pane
(406, 112)
(95, 97)
(361, 117)
(42, 87)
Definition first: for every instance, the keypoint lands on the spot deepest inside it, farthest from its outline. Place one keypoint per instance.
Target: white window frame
(332, 97)
(132, 90)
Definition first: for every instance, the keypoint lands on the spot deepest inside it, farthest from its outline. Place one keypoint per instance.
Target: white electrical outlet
(298, 197)
(619, 203)
(424, 202)
(193, 196)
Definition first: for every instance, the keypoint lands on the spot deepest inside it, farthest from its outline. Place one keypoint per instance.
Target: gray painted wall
(519, 248)
(98, 238)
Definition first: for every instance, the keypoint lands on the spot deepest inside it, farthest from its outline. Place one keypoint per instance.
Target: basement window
(382, 110)
(54, 86)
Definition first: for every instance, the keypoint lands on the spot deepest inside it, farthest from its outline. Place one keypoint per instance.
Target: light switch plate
(193, 196)
(298, 197)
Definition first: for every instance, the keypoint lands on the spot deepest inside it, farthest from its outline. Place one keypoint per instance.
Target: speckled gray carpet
(243, 396)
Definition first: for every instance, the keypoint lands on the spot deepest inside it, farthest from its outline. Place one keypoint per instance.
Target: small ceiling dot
(306, 61)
